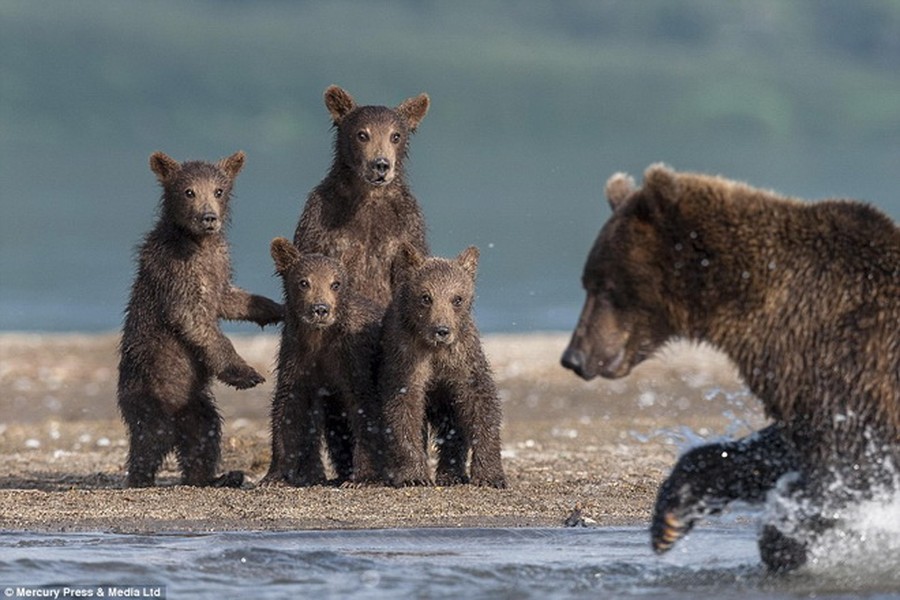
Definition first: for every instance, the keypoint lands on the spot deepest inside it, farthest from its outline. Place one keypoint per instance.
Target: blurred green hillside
(534, 104)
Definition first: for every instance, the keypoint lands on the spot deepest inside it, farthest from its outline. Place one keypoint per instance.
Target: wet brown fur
(435, 374)
(803, 297)
(172, 347)
(363, 211)
(326, 375)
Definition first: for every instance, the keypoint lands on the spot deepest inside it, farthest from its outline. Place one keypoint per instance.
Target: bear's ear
(164, 166)
(618, 188)
(662, 181)
(414, 109)
(339, 103)
(468, 260)
(407, 260)
(233, 164)
(284, 253)
(410, 256)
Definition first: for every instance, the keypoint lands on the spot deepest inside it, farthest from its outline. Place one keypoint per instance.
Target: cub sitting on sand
(326, 381)
(435, 373)
(804, 298)
(172, 346)
(363, 211)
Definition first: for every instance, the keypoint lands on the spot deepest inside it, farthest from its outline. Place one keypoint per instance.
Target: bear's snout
(442, 334)
(381, 165)
(574, 360)
(319, 314)
(210, 221)
(380, 171)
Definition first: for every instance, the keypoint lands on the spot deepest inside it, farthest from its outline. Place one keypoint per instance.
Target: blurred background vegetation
(534, 105)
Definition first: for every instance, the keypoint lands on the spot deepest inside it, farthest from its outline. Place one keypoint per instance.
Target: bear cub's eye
(335, 286)
(304, 284)
(395, 138)
(425, 299)
(363, 136)
(457, 301)
(189, 193)
(218, 193)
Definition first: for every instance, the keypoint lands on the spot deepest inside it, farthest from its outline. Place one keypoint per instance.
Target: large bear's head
(629, 312)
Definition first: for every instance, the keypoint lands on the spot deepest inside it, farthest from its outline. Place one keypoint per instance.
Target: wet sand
(604, 445)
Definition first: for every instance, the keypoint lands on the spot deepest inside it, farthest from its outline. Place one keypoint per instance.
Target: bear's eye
(189, 193)
(363, 136)
(395, 138)
(218, 193)
(335, 286)
(304, 284)
(457, 301)
(425, 299)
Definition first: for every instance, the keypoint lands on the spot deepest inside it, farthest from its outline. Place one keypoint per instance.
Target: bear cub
(172, 347)
(435, 374)
(363, 211)
(326, 382)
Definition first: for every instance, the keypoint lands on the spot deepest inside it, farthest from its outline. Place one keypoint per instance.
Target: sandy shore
(605, 445)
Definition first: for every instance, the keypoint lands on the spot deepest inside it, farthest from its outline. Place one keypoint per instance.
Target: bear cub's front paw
(241, 377)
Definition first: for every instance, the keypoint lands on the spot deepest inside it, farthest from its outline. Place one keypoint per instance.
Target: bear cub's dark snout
(381, 166)
(442, 334)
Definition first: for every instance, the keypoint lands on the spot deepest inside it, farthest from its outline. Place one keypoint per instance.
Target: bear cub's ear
(339, 103)
(618, 188)
(662, 180)
(284, 253)
(408, 260)
(233, 164)
(410, 256)
(468, 260)
(414, 109)
(163, 165)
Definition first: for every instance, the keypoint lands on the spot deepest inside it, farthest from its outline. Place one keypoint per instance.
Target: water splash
(740, 422)
(861, 544)
(866, 544)
(862, 550)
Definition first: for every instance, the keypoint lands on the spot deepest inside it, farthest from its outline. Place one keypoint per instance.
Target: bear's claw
(666, 531)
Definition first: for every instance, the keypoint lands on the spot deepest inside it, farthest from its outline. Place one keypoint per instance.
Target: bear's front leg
(784, 544)
(405, 429)
(480, 418)
(240, 305)
(296, 432)
(450, 436)
(706, 479)
(339, 435)
(199, 331)
(802, 506)
(368, 434)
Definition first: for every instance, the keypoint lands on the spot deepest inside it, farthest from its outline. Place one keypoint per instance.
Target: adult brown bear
(803, 297)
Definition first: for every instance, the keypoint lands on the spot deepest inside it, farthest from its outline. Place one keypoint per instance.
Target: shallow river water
(602, 562)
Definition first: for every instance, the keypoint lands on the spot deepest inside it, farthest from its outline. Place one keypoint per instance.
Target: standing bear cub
(435, 373)
(803, 297)
(172, 347)
(326, 381)
(363, 211)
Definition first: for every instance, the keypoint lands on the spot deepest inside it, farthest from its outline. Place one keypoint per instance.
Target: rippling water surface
(422, 563)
